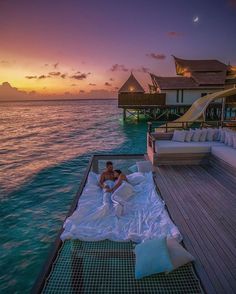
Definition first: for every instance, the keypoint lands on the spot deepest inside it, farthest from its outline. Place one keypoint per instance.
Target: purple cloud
(143, 69)
(63, 76)
(158, 56)
(108, 84)
(118, 67)
(80, 76)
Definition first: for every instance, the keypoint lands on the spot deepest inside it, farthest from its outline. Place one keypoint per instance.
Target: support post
(124, 114)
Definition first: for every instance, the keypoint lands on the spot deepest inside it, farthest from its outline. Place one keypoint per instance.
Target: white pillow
(222, 135)
(196, 135)
(135, 178)
(203, 135)
(178, 255)
(93, 178)
(216, 135)
(133, 168)
(210, 134)
(189, 135)
(179, 136)
(144, 166)
(123, 193)
(230, 138)
(234, 140)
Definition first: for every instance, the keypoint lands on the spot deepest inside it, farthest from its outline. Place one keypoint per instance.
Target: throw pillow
(189, 135)
(179, 136)
(203, 135)
(144, 166)
(135, 178)
(133, 168)
(152, 257)
(123, 193)
(234, 140)
(196, 135)
(210, 134)
(178, 255)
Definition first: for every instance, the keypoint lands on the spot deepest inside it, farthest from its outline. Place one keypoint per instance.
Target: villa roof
(173, 83)
(131, 86)
(209, 78)
(210, 65)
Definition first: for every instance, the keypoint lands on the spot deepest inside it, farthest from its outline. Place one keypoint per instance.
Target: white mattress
(225, 153)
(144, 217)
(168, 146)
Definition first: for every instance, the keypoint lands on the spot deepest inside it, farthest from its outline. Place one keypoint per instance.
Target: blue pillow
(152, 257)
(133, 168)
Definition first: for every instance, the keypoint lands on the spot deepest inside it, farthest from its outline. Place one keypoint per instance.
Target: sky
(87, 49)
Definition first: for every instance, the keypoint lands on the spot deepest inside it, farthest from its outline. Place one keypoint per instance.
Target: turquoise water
(44, 150)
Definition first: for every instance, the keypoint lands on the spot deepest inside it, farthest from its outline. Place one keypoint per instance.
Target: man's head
(109, 166)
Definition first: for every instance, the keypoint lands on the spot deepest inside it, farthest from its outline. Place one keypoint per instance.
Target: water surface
(44, 150)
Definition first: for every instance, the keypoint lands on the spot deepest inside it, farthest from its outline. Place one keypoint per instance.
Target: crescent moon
(196, 19)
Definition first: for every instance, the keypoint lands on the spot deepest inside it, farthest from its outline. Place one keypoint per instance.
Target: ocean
(45, 147)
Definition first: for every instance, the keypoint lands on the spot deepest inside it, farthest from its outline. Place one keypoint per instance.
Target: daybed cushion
(168, 146)
(225, 153)
(152, 257)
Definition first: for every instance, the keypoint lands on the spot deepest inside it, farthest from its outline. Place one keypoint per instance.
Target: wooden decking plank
(223, 215)
(219, 211)
(219, 244)
(205, 226)
(202, 229)
(189, 242)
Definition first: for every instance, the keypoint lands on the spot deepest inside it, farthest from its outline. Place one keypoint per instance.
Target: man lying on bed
(107, 177)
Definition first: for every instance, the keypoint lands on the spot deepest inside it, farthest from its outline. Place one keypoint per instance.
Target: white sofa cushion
(196, 135)
(189, 135)
(203, 135)
(225, 153)
(168, 146)
(179, 136)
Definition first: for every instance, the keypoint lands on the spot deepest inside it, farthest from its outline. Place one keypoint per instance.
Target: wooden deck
(202, 202)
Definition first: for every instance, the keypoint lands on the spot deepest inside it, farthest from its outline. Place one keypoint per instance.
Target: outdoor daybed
(173, 149)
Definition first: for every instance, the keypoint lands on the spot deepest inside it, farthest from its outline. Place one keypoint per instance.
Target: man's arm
(102, 179)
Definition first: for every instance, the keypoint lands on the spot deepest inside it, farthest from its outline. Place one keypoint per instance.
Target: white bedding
(144, 216)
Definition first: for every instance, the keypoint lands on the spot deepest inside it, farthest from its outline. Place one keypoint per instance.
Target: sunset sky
(86, 49)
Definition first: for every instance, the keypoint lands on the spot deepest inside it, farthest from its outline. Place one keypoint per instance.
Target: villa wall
(189, 96)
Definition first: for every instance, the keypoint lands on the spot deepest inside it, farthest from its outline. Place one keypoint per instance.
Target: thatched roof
(131, 86)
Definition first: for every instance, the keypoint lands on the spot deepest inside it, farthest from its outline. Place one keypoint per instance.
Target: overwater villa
(174, 95)
(170, 226)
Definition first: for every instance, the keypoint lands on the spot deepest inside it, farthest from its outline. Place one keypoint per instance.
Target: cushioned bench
(168, 146)
(162, 150)
(225, 153)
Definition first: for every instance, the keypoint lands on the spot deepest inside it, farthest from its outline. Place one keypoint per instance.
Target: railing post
(149, 127)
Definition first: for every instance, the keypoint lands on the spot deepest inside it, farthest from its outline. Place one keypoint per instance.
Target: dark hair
(118, 171)
(109, 163)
